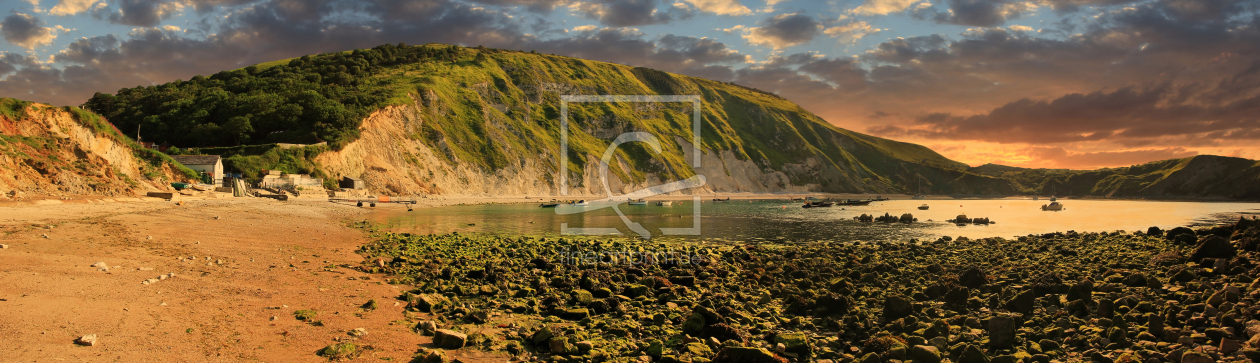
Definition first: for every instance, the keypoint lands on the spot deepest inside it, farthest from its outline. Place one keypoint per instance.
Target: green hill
(490, 110)
(1203, 176)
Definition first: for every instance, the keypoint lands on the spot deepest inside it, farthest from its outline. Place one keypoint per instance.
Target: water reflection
(781, 220)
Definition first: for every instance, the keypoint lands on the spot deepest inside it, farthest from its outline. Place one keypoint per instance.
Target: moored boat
(665, 203)
(923, 207)
(638, 202)
(849, 202)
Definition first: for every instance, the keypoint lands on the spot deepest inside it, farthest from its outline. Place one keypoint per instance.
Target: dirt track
(258, 259)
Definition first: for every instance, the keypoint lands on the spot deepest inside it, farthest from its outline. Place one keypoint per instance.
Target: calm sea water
(785, 221)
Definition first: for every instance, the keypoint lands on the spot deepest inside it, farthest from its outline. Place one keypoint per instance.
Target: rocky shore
(1182, 296)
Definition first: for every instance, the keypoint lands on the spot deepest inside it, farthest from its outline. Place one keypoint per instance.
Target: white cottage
(212, 164)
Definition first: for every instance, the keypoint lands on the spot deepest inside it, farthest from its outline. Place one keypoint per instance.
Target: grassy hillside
(1203, 176)
(65, 150)
(489, 108)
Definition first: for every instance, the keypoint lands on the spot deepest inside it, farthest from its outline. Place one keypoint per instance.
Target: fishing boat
(580, 203)
(1053, 206)
(665, 203)
(813, 198)
(818, 204)
(923, 207)
(722, 200)
(548, 205)
(848, 202)
(638, 202)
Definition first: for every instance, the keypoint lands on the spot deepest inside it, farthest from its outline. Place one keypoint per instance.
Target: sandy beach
(237, 269)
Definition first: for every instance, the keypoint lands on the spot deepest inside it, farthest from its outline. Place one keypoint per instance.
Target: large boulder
(971, 354)
(1213, 247)
(925, 354)
(1001, 331)
(973, 277)
(897, 307)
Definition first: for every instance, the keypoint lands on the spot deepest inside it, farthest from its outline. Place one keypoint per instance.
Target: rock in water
(449, 339)
(747, 355)
(88, 340)
(1001, 331)
(1213, 247)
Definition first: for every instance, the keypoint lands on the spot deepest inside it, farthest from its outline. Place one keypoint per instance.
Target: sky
(1078, 84)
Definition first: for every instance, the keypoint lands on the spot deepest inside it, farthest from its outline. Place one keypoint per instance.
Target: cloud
(882, 7)
(539, 6)
(699, 57)
(783, 31)
(146, 13)
(628, 13)
(724, 7)
(26, 31)
(34, 6)
(1059, 157)
(1129, 113)
(851, 32)
(985, 13)
(71, 7)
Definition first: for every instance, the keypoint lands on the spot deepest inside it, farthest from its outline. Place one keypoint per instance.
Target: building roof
(196, 159)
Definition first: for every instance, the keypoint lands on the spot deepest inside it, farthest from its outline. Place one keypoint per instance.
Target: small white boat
(665, 203)
(923, 207)
(638, 202)
(919, 196)
(580, 203)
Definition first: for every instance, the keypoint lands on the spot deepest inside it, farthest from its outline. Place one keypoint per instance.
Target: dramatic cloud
(979, 12)
(699, 57)
(145, 13)
(532, 5)
(722, 7)
(25, 31)
(71, 7)
(626, 13)
(784, 31)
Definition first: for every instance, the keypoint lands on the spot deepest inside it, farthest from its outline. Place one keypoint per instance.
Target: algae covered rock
(925, 354)
(1213, 247)
(1001, 331)
(429, 303)
(747, 355)
(972, 354)
(897, 307)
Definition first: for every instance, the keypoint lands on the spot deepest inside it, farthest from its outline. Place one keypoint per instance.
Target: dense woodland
(303, 100)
